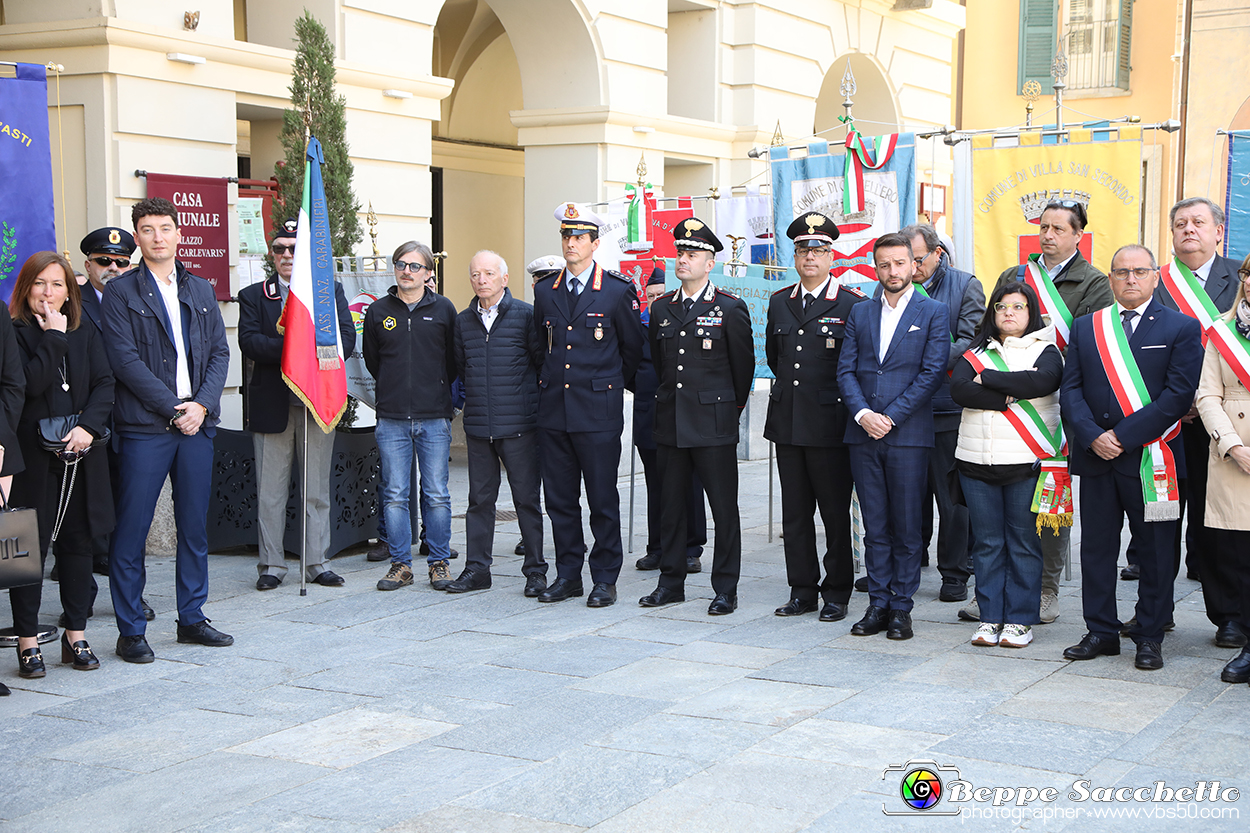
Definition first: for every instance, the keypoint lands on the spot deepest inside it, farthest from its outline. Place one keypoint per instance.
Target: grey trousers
(520, 457)
(1053, 549)
(274, 456)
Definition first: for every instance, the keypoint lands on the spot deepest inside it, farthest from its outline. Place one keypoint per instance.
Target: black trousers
(1232, 555)
(953, 524)
(813, 477)
(1106, 499)
(1201, 551)
(519, 455)
(696, 515)
(717, 467)
(568, 460)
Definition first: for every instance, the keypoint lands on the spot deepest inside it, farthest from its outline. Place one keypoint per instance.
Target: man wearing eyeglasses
(807, 421)
(408, 348)
(964, 298)
(1130, 376)
(1197, 266)
(282, 429)
(1081, 289)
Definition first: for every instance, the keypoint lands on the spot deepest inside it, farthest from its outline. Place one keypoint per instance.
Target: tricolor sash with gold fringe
(1194, 301)
(1158, 466)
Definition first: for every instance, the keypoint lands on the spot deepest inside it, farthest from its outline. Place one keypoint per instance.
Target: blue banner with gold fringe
(1237, 197)
(27, 222)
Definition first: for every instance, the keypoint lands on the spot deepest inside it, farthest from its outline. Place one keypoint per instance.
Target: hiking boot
(400, 575)
(440, 576)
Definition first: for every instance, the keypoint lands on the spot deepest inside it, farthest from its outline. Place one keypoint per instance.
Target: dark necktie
(575, 286)
(1126, 319)
(808, 299)
(689, 304)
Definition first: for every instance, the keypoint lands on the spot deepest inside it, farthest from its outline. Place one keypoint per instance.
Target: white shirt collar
(818, 292)
(902, 300)
(695, 297)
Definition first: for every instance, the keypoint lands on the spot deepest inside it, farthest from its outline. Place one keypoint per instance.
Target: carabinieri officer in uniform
(701, 344)
(587, 318)
(807, 420)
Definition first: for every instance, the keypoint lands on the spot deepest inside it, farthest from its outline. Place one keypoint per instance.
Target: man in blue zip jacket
(166, 343)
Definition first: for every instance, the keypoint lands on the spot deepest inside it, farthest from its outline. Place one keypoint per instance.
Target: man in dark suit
(893, 360)
(587, 319)
(704, 355)
(1112, 419)
(807, 421)
(645, 383)
(166, 343)
(1197, 233)
(282, 429)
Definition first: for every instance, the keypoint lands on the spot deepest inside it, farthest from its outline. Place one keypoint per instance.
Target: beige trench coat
(1224, 405)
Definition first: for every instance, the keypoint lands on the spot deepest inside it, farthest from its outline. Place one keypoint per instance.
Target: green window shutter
(1123, 44)
(1038, 20)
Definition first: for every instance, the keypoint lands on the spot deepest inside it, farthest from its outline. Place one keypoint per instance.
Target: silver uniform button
(679, 367)
(796, 383)
(681, 350)
(800, 331)
(796, 365)
(798, 347)
(683, 332)
(679, 384)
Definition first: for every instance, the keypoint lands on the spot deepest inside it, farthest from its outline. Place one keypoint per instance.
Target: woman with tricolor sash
(1224, 405)
(1008, 385)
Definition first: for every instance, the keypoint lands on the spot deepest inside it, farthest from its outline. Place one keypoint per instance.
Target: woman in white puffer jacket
(998, 468)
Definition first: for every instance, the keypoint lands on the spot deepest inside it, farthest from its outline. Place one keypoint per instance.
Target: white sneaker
(987, 634)
(1016, 636)
(1050, 608)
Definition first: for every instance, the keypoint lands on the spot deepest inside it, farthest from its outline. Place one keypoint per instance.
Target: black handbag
(52, 429)
(20, 564)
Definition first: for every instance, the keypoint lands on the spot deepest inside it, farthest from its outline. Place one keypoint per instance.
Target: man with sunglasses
(1060, 270)
(282, 429)
(408, 348)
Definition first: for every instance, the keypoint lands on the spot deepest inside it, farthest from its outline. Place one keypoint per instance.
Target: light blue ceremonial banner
(27, 222)
(815, 182)
(1237, 197)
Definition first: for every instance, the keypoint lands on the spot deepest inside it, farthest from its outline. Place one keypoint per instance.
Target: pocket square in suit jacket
(913, 328)
(1153, 346)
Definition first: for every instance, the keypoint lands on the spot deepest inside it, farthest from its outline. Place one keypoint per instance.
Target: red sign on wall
(202, 219)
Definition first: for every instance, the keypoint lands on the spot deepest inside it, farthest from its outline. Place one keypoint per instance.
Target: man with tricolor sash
(1068, 286)
(1130, 376)
(1202, 284)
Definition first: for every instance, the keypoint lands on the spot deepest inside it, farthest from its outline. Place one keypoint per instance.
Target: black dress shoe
(693, 564)
(861, 584)
(1130, 573)
(1127, 627)
(1238, 670)
(327, 578)
(953, 591)
(202, 633)
(378, 552)
(520, 547)
(1149, 656)
(899, 625)
(1091, 646)
(601, 595)
(795, 607)
(872, 623)
(148, 613)
(723, 604)
(535, 584)
(78, 653)
(267, 582)
(469, 580)
(134, 649)
(1230, 635)
(4, 690)
(661, 596)
(650, 561)
(561, 589)
(30, 663)
(833, 612)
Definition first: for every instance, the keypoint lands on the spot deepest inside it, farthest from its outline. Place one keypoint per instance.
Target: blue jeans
(430, 441)
(1007, 553)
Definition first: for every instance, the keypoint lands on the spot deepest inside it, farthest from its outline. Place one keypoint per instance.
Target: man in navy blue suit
(893, 360)
(1113, 419)
(587, 319)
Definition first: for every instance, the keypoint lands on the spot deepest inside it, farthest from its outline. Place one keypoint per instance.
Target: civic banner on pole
(1012, 185)
(27, 220)
(202, 218)
(750, 219)
(1237, 197)
(817, 181)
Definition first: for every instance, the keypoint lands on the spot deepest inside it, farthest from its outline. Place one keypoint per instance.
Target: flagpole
(633, 462)
(303, 515)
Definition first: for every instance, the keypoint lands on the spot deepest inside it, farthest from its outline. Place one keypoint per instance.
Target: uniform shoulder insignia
(784, 291)
(727, 292)
(617, 275)
(854, 291)
(667, 295)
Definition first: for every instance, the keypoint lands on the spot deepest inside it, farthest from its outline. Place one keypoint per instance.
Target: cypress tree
(324, 113)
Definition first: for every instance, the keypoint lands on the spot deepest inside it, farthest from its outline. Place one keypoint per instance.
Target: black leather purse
(53, 429)
(20, 564)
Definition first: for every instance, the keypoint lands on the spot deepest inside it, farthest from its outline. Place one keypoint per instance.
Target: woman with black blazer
(12, 397)
(67, 372)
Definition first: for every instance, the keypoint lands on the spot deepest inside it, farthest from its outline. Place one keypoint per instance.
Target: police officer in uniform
(807, 421)
(587, 318)
(701, 344)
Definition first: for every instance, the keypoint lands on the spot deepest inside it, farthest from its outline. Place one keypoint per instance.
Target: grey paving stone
(721, 653)
(776, 782)
(583, 786)
(983, 671)
(670, 810)
(341, 740)
(1183, 671)
(662, 679)
(147, 802)
(699, 739)
(452, 818)
(563, 620)
(1092, 701)
(839, 668)
(472, 681)
(667, 631)
(768, 702)
(581, 656)
(240, 672)
(288, 703)
(850, 744)
(801, 632)
(920, 707)
(1046, 745)
(255, 819)
(459, 647)
(35, 783)
(546, 726)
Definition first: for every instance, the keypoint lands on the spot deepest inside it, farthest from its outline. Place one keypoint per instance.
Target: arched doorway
(875, 110)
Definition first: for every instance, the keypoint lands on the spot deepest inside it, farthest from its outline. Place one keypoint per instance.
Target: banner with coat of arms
(1012, 185)
(27, 224)
(1237, 197)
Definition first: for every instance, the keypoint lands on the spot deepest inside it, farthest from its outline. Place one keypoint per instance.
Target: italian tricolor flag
(312, 357)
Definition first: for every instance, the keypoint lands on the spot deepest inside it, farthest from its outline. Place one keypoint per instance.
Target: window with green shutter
(1038, 20)
(1098, 36)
